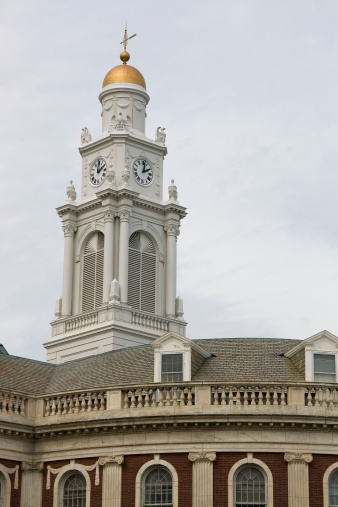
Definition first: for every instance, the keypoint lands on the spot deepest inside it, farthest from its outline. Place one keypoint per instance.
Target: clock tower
(119, 274)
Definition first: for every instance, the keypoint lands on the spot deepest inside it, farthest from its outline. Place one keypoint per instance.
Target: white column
(172, 230)
(112, 481)
(108, 253)
(202, 478)
(67, 288)
(123, 254)
(298, 479)
(31, 487)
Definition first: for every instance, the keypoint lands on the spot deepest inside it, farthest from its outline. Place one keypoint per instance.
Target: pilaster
(31, 488)
(124, 215)
(112, 480)
(108, 252)
(202, 478)
(172, 231)
(68, 229)
(298, 479)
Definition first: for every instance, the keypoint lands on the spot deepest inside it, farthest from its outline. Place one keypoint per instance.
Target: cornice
(109, 139)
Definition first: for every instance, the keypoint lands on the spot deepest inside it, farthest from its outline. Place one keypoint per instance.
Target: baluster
(58, 402)
(267, 396)
(133, 399)
(189, 397)
(175, 396)
(71, 404)
(160, 397)
(253, 396)
(215, 395)
(317, 397)
(47, 407)
(245, 402)
(88, 396)
(83, 402)
(282, 396)
(182, 398)
(16, 405)
(53, 406)
(126, 400)
(260, 396)
(22, 406)
(167, 399)
(102, 401)
(96, 403)
(231, 396)
(331, 398)
(223, 396)
(235, 398)
(64, 401)
(11, 403)
(275, 396)
(146, 399)
(77, 404)
(324, 403)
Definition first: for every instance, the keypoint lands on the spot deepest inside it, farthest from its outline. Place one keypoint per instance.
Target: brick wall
(317, 469)
(15, 493)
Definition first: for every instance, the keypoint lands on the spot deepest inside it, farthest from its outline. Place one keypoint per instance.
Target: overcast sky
(247, 91)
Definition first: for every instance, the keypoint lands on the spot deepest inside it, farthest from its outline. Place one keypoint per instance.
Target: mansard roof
(232, 360)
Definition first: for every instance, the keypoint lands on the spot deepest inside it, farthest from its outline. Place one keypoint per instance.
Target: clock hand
(144, 167)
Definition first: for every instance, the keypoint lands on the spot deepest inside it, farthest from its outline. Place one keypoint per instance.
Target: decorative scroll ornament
(108, 215)
(107, 104)
(172, 189)
(71, 193)
(123, 104)
(88, 468)
(33, 466)
(202, 456)
(125, 175)
(298, 457)
(16, 477)
(139, 106)
(118, 460)
(110, 175)
(160, 135)
(85, 136)
(125, 215)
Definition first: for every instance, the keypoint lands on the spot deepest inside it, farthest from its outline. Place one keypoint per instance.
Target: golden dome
(124, 73)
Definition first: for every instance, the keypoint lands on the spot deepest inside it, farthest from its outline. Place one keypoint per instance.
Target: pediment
(172, 342)
(323, 341)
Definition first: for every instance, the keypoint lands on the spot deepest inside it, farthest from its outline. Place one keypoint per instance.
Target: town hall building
(127, 411)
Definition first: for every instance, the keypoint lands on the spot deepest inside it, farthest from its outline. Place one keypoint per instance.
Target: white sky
(247, 91)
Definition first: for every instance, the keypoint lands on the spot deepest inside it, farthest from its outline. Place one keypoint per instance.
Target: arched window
(92, 279)
(158, 488)
(142, 273)
(73, 491)
(333, 489)
(250, 487)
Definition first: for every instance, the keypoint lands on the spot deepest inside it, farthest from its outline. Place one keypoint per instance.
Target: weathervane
(126, 38)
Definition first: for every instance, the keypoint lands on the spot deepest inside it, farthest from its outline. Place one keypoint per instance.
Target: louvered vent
(142, 273)
(92, 281)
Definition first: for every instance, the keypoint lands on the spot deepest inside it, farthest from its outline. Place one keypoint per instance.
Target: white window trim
(249, 460)
(140, 474)
(328, 353)
(7, 484)
(60, 476)
(326, 477)
(309, 362)
(186, 352)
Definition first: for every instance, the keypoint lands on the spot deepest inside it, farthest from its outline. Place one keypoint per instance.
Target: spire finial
(125, 55)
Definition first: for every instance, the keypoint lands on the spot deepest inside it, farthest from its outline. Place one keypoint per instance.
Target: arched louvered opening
(142, 272)
(92, 279)
(74, 491)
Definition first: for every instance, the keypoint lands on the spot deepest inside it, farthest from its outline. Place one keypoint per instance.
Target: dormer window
(172, 368)
(324, 368)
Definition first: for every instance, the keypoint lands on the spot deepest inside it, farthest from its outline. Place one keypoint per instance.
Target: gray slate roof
(232, 360)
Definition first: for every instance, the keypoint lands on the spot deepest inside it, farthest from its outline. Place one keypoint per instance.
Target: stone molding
(297, 457)
(201, 456)
(72, 465)
(124, 215)
(108, 215)
(32, 466)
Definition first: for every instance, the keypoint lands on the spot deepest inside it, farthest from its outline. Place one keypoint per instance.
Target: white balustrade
(12, 404)
(249, 395)
(149, 321)
(161, 396)
(84, 320)
(74, 403)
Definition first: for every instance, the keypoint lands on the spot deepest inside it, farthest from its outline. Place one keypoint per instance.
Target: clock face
(98, 172)
(142, 171)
